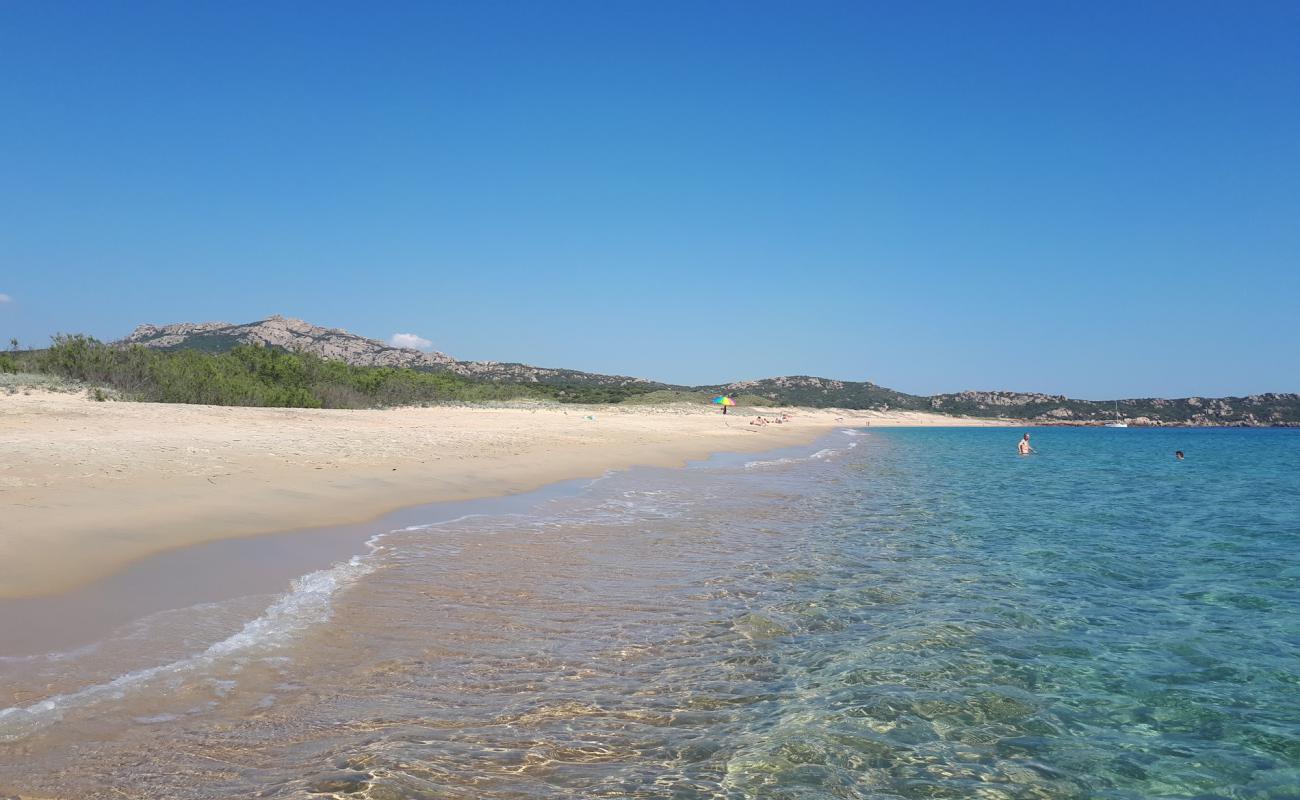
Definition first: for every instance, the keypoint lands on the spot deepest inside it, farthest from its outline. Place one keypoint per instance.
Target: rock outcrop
(787, 382)
(995, 399)
(339, 345)
(1052, 409)
(289, 334)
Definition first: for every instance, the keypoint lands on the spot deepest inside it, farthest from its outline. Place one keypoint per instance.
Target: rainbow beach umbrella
(724, 400)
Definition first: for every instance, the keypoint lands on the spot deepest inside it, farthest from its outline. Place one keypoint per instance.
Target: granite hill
(295, 335)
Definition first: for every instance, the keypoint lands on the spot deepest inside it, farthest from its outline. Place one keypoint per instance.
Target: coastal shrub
(8, 364)
(264, 376)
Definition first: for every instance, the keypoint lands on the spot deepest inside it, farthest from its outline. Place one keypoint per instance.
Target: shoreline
(88, 488)
(220, 570)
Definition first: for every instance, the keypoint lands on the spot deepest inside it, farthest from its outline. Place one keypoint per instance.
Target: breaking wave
(308, 602)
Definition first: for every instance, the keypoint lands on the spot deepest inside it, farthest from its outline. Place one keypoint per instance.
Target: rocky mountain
(1261, 410)
(337, 344)
(1257, 410)
(288, 334)
(804, 390)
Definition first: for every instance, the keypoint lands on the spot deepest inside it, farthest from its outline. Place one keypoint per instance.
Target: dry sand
(88, 487)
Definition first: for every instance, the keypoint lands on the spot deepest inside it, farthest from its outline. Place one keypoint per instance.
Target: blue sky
(1099, 199)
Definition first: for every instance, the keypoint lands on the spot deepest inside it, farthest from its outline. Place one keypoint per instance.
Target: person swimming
(1023, 448)
(1178, 454)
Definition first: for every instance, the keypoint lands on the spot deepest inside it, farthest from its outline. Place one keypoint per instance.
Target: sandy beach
(88, 487)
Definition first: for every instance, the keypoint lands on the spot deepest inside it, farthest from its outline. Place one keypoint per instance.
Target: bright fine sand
(88, 487)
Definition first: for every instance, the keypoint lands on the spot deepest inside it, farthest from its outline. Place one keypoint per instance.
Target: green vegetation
(699, 396)
(1257, 410)
(246, 375)
(803, 390)
(261, 376)
(595, 394)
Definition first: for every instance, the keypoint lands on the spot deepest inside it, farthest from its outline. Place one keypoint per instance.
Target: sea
(888, 613)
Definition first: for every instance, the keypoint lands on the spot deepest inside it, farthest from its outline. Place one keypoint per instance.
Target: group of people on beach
(1024, 449)
(761, 420)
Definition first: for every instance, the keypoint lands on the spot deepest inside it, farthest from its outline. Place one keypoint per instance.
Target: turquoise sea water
(909, 613)
(1099, 620)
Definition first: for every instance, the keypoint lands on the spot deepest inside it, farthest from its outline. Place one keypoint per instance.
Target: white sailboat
(1118, 423)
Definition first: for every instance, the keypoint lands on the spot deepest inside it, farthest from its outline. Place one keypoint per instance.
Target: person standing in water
(1024, 447)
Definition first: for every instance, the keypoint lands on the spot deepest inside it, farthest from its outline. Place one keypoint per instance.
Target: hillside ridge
(289, 333)
(1269, 409)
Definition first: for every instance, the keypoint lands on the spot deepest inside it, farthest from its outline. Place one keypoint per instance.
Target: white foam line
(818, 456)
(427, 525)
(55, 655)
(601, 478)
(307, 603)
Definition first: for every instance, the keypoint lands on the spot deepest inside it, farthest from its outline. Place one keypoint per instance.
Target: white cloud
(410, 340)
(4, 298)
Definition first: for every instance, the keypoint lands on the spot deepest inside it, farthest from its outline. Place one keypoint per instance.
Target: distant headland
(506, 380)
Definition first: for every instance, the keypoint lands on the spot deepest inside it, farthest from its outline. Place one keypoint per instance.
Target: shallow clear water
(904, 613)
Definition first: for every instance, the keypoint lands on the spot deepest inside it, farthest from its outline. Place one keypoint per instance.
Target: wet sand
(218, 570)
(88, 488)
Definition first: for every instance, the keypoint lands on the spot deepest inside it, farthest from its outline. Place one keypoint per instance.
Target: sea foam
(309, 602)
